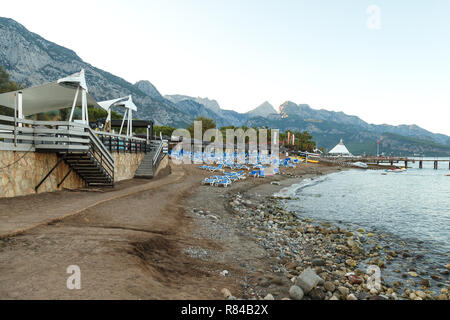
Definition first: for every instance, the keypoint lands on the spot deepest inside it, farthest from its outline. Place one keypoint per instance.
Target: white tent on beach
(340, 150)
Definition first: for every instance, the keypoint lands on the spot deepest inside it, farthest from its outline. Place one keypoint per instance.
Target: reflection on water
(413, 207)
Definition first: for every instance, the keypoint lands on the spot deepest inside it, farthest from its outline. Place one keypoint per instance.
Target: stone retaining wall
(162, 165)
(20, 172)
(126, 165)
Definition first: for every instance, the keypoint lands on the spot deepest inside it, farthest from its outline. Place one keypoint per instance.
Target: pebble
(224, 273)
(435, 277)
(351, 297)
(425, 283)
(308, 280)
(226, 293)
(317, 294)
(421, 294)
(318, 262)
(351, 262)
(344, 291)
(355, 279)
(296, 293)
(329, 286)
(269, 297)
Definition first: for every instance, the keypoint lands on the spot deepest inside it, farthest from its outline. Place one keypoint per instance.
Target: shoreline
(323, 249)
(175, 239)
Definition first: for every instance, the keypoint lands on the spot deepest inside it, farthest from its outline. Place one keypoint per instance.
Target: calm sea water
(411, 207)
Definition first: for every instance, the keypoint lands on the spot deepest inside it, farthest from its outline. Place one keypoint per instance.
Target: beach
(171, 238)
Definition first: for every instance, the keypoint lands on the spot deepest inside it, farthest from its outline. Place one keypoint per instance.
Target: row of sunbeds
(225, 180)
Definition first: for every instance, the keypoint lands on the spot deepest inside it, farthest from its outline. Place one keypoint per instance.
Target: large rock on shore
(308, 280)
(296, 293)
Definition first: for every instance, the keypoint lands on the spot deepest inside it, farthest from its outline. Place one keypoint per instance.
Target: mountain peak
(212, 105)
(263, 110)
(289, 108)
(148, 88)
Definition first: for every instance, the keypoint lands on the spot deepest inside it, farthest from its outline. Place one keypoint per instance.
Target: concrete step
(145, 170)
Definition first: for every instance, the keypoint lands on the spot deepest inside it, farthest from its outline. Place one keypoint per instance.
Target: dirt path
(133, 245)
(21, 214)
(128, 248)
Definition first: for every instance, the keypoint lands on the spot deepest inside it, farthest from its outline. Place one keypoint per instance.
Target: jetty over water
(394, 160)
(44, 156)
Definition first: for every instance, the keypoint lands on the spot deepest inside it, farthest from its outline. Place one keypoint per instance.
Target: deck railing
(121, 143)
(34, 135)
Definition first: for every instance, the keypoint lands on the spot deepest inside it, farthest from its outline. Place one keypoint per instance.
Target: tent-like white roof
(125, 102)
(340, 149)
(51, 96)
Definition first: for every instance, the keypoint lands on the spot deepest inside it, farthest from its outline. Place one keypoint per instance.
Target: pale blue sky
(242, 53)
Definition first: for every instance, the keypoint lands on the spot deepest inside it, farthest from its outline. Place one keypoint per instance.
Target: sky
(386, 61)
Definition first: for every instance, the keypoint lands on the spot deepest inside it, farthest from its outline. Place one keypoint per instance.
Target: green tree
(7, 85)
(207, 124)
(165, 130)
(303, 141)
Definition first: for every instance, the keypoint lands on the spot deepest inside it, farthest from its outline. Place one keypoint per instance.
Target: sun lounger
(254, 173)
(218, 168)
(209, 181)
(224, 183)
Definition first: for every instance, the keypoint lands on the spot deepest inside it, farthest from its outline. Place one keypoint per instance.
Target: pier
(396, 160)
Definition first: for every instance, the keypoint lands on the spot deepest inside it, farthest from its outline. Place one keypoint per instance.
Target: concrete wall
(25, 170)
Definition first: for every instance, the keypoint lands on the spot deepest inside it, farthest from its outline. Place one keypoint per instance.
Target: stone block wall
(20, 172)
(126, 165)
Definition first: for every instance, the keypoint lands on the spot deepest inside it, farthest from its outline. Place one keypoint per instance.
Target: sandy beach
(171, 238)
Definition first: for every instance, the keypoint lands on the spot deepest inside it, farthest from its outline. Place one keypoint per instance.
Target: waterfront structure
(340, 150)
(44, 156)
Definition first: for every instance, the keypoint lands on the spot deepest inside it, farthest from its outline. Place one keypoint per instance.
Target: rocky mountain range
(32, 60)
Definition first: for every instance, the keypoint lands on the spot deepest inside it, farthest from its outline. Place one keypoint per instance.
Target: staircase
(87, 156)
(95, 166)
(145, 170)
(151, 160)
(89, 169)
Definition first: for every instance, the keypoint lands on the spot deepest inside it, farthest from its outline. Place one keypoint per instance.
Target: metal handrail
(100, 146)
(158, 152)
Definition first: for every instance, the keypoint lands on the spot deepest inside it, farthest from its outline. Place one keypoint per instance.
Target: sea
(411, 210)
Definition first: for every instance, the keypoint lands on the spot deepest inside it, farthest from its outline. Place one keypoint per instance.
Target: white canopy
(51, 96)
(124, 102)
(340, 149)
